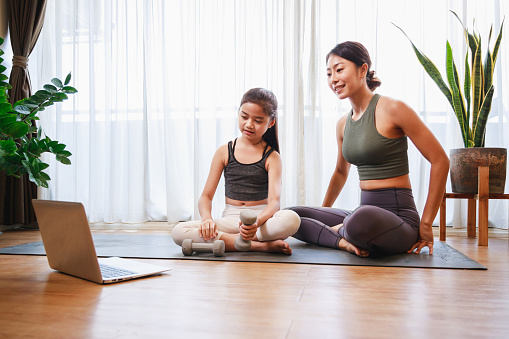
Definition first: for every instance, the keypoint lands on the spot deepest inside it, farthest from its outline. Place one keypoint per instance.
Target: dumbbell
(217, 247)
(247, 217)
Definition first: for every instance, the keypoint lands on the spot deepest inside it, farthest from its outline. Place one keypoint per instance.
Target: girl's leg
(274, 246)
(378, 231)
(189, 230)
(186, 230)
(281, 225)
(270, 236)
(284, 224)
(316, 223)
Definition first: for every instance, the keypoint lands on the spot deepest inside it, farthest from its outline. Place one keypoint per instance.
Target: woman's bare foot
(337, 227)
(275, 246)
(346, 246)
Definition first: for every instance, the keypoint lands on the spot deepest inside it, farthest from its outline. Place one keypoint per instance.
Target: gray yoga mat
(163, 247)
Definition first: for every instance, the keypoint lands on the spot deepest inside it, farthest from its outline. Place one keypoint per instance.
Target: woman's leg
(316, 222)
(378, 231)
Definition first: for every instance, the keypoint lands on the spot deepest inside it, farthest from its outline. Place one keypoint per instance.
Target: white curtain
(160, 83)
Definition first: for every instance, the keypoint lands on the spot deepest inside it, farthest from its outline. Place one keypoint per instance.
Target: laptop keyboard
(112, 272)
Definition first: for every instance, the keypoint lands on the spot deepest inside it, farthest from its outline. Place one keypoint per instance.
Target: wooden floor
(260, 300)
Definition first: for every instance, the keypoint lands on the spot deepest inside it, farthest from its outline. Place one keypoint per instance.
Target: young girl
(252, 171)
(373, 136)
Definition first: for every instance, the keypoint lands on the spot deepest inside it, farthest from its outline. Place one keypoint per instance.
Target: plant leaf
(466, 86)
(497, 44)
(69, 89)
(57, 148)
(470, 39)
(488, 72)
(5, 107)
(42, 94)
(57, 82)
(6, 119)
(477, 85)
(44, 176)
(7, 147)
(431, 69)
(458, 101)
(22, 109)
(50, 88)
(41, 182)
(16, 129)
(480, 126)
(63, 160)
(60, 96)
(67, 79)
(64, 153)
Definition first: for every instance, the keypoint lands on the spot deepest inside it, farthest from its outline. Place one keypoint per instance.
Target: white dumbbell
(247, 217)
(217, 247)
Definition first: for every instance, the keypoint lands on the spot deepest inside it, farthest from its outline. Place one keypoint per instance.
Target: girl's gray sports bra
(246, 182)
(375, 156)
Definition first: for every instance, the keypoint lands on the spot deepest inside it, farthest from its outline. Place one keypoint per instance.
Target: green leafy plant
(473, 105)
(22, 142)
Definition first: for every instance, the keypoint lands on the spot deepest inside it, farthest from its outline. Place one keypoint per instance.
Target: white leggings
(283, 224)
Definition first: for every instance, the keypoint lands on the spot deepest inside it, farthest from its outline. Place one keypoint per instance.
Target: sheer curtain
(160, 82)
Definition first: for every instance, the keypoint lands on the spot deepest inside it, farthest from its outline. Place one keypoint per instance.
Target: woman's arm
(208, 229)
(410, 123)
(341, 170)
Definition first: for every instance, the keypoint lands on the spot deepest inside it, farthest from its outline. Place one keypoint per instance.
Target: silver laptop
(70, 248)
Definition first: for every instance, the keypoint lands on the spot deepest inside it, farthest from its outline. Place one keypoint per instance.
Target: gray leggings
(386, 222)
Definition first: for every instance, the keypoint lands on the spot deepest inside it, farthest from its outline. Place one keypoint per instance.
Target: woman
(373, 136)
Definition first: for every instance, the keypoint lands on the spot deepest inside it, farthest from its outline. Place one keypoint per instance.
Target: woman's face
(344, 77)
(253, 122)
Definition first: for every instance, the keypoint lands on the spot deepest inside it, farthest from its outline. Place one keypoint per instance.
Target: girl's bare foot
(346, 246)
(275, 246)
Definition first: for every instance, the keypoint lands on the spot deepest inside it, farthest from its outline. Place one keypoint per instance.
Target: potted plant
(22, 142)
(471, 104)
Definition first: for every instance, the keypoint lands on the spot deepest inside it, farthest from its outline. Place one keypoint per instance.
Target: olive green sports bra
(375, 156)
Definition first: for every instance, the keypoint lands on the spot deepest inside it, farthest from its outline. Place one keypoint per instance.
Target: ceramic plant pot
(464, 164)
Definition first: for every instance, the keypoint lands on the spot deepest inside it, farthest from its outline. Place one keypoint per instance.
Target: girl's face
(253, 122)
(345, 77)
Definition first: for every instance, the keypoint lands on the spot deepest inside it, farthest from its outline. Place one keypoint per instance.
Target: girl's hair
(268, 102)
(358, 54)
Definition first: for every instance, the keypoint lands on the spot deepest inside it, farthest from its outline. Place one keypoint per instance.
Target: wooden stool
(483, 196)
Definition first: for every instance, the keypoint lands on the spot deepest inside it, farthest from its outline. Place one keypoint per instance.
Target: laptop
(70, 248)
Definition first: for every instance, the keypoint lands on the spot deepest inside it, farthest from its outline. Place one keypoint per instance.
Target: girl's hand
(425, 240)
(247, 232)
(208, 229)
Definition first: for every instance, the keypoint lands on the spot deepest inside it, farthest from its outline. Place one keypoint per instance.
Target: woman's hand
(425, 240)
(208, 229)
(247, 232)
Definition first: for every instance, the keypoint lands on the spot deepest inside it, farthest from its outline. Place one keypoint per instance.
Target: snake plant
(473, 105)
(22, 142)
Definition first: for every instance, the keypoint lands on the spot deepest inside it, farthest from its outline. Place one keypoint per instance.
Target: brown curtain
(25, 23)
